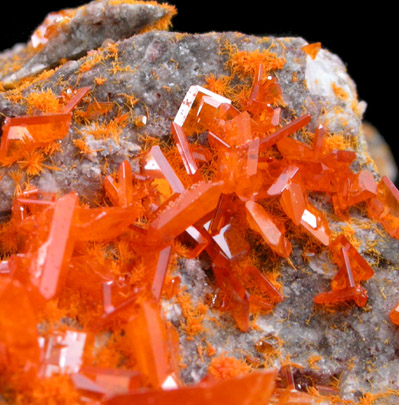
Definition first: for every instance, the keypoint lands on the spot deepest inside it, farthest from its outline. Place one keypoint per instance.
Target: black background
(364, 37)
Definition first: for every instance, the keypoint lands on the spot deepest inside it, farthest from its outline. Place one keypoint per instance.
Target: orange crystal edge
(200, 211)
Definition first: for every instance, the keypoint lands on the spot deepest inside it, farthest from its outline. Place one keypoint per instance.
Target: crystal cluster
(248, 162)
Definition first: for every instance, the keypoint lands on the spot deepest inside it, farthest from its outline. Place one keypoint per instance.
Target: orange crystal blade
(237, 295)
(184, 149)
(264, 284)
(291, 149)
(318, 144)
(252, 157)
(18, 322)
(222, 213)
(156, 164)
(191, 108)
(74, 101)
(284, 131)
(104, 223)
(394, 314)
(187, 209)
(111, 190)
(252, 389)
(293, 202)
(38, 129)
(345, 255)
(357, 294)
(315, 224)
(147, 334)
(262, 222)
(125, 186)
(283, 180)
(49, 264)
(161, 267)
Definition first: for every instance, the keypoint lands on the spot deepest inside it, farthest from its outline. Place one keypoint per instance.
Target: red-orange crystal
(312, 49)
(252, 389)
(187, 209)
(37, 130)
(394, 314)
(384, 208)
(262, 222)
(149, 341)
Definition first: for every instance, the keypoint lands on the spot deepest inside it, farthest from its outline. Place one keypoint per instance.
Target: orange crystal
(346, 256)
(49, 256)
(358, 294)
(315, 224)
(63, 352)
(35, 130)
(184, 149)
(318, 144)
(262, 222)
(236, 296)
(18, 322)
(394, 314)
(251, 389)
(194, 108)
(284, 131)
(384, 208)
(120, 193)
(188, 208)
(312, 49)
(75, 99)
(149, 342)
(156, 165)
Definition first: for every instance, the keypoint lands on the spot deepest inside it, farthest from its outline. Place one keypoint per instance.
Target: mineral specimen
(172, 236)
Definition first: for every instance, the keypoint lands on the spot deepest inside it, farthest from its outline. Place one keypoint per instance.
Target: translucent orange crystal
(251, 389)
(384, 208)
(358, 294)
(18, 323)
(237, 298)
(198, 104)
(45, 264)
(262, 222)
(35, 131)
(394, 314)
(188, 208)
(156, 165)
(75, 99)
(184, 149)
(347, 257)
(312, 49)
(152, 347)
(63, 352)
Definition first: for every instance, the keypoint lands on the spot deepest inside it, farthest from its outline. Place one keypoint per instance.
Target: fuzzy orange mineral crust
(78, 325)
